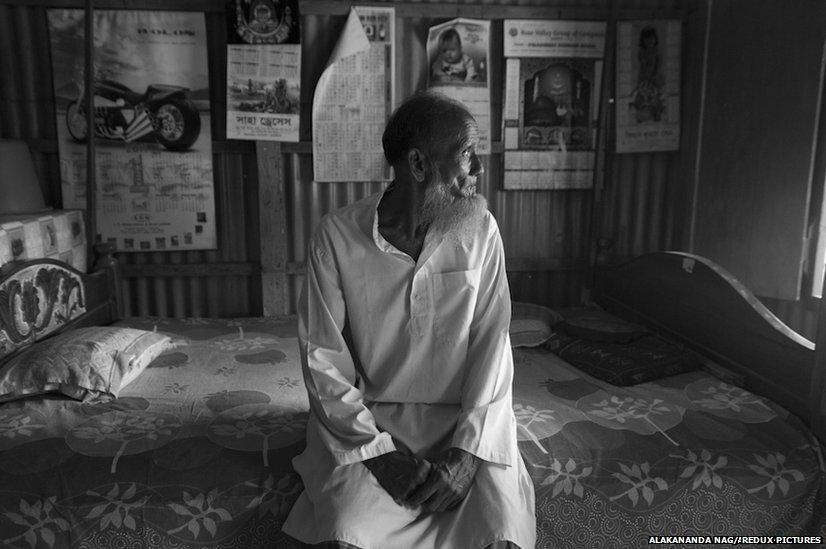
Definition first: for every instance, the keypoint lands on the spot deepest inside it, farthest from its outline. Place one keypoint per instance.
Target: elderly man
(403, 327)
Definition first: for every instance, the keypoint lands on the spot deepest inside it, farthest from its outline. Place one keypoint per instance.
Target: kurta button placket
(417, 305)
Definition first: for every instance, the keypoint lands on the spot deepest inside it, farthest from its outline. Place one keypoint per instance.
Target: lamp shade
(19, 189)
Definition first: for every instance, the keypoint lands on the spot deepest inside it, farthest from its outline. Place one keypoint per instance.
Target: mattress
(197, 451)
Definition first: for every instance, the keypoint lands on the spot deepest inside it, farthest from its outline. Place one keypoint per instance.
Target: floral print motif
(287, 382)
(122, 433)
(528, 415)
(245, 343)
(114, 511)
(247, 426)
(772, 466)
(728, 396)
(176, 388)
(18, 425)
(637, 414)
(225, 371)
(38, 520)
(566, 480)
(201, 512)
(708, 472)
(640, 482)
(274, 499)
(729, 401)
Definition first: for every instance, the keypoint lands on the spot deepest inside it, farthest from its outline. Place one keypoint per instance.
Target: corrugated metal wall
(548, 235)
(641, 204)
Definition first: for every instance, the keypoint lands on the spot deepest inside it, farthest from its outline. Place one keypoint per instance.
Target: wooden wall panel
(758, 140)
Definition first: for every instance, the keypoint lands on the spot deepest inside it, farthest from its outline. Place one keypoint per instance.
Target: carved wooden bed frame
(695, 301)
(42, 297)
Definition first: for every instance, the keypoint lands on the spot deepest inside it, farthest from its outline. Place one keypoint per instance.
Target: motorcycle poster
(153, 145)
(263, 70)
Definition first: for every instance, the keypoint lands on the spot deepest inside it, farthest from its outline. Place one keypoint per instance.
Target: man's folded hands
(414, 482)
(448, 483)
(398, 473)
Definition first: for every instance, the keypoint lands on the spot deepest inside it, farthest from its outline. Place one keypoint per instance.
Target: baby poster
(458, 54)
(648, 86)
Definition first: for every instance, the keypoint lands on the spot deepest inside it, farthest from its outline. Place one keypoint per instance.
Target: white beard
(457, 218)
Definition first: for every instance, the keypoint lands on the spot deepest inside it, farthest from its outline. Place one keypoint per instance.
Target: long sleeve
(486, 425)
(346, 426)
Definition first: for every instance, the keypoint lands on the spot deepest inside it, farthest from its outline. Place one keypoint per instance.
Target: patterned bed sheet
(687, 455)
(196, 453)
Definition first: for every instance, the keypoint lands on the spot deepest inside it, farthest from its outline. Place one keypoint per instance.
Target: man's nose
(476, 167)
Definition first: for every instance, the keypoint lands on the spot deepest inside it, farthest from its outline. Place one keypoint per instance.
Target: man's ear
(416, 162)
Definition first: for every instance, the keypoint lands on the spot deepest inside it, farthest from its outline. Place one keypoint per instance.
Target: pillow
(618, 352)
(531, 324)
(597, 325)
(88, 364)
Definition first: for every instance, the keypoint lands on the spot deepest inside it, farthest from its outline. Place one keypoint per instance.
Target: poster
(153, 148)
(648, 85)
(458, 54)
(553, 75)
(353, 99)
(263, 70)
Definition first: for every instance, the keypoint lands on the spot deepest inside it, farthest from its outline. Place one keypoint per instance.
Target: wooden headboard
(694, 300)
(41, 297)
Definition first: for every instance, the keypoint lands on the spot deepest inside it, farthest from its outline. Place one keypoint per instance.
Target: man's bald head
(428, 121)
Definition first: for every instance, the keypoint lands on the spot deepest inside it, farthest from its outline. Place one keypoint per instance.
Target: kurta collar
(431, 240)
(380, 242)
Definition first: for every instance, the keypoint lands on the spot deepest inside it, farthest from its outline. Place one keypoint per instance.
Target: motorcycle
(163, 113)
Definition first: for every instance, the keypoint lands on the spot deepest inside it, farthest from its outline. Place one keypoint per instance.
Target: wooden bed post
(89, 97)
(817, 395)
(272, 219)
(105, 261)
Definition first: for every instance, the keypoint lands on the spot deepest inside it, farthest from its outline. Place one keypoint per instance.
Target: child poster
(648, 85)
(153, 146)
(263, 70)
(553, 72)
(458, 54)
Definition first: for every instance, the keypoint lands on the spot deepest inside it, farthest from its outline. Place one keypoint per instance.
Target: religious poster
(648, 85)
(263, 70)
(553, 73)
(153, 147)
(353, 99)
(458, 54)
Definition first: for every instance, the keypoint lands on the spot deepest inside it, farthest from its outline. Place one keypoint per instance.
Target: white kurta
(398, 353)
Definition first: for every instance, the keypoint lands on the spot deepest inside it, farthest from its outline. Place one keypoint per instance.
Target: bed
(195, 450)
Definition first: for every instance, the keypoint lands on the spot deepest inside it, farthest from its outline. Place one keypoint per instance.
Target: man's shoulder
(489, 226)
(354, 215)
(484, 234)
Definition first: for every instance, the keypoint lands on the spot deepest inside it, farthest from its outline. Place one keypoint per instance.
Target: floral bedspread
(687, 455)
(196, 453)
